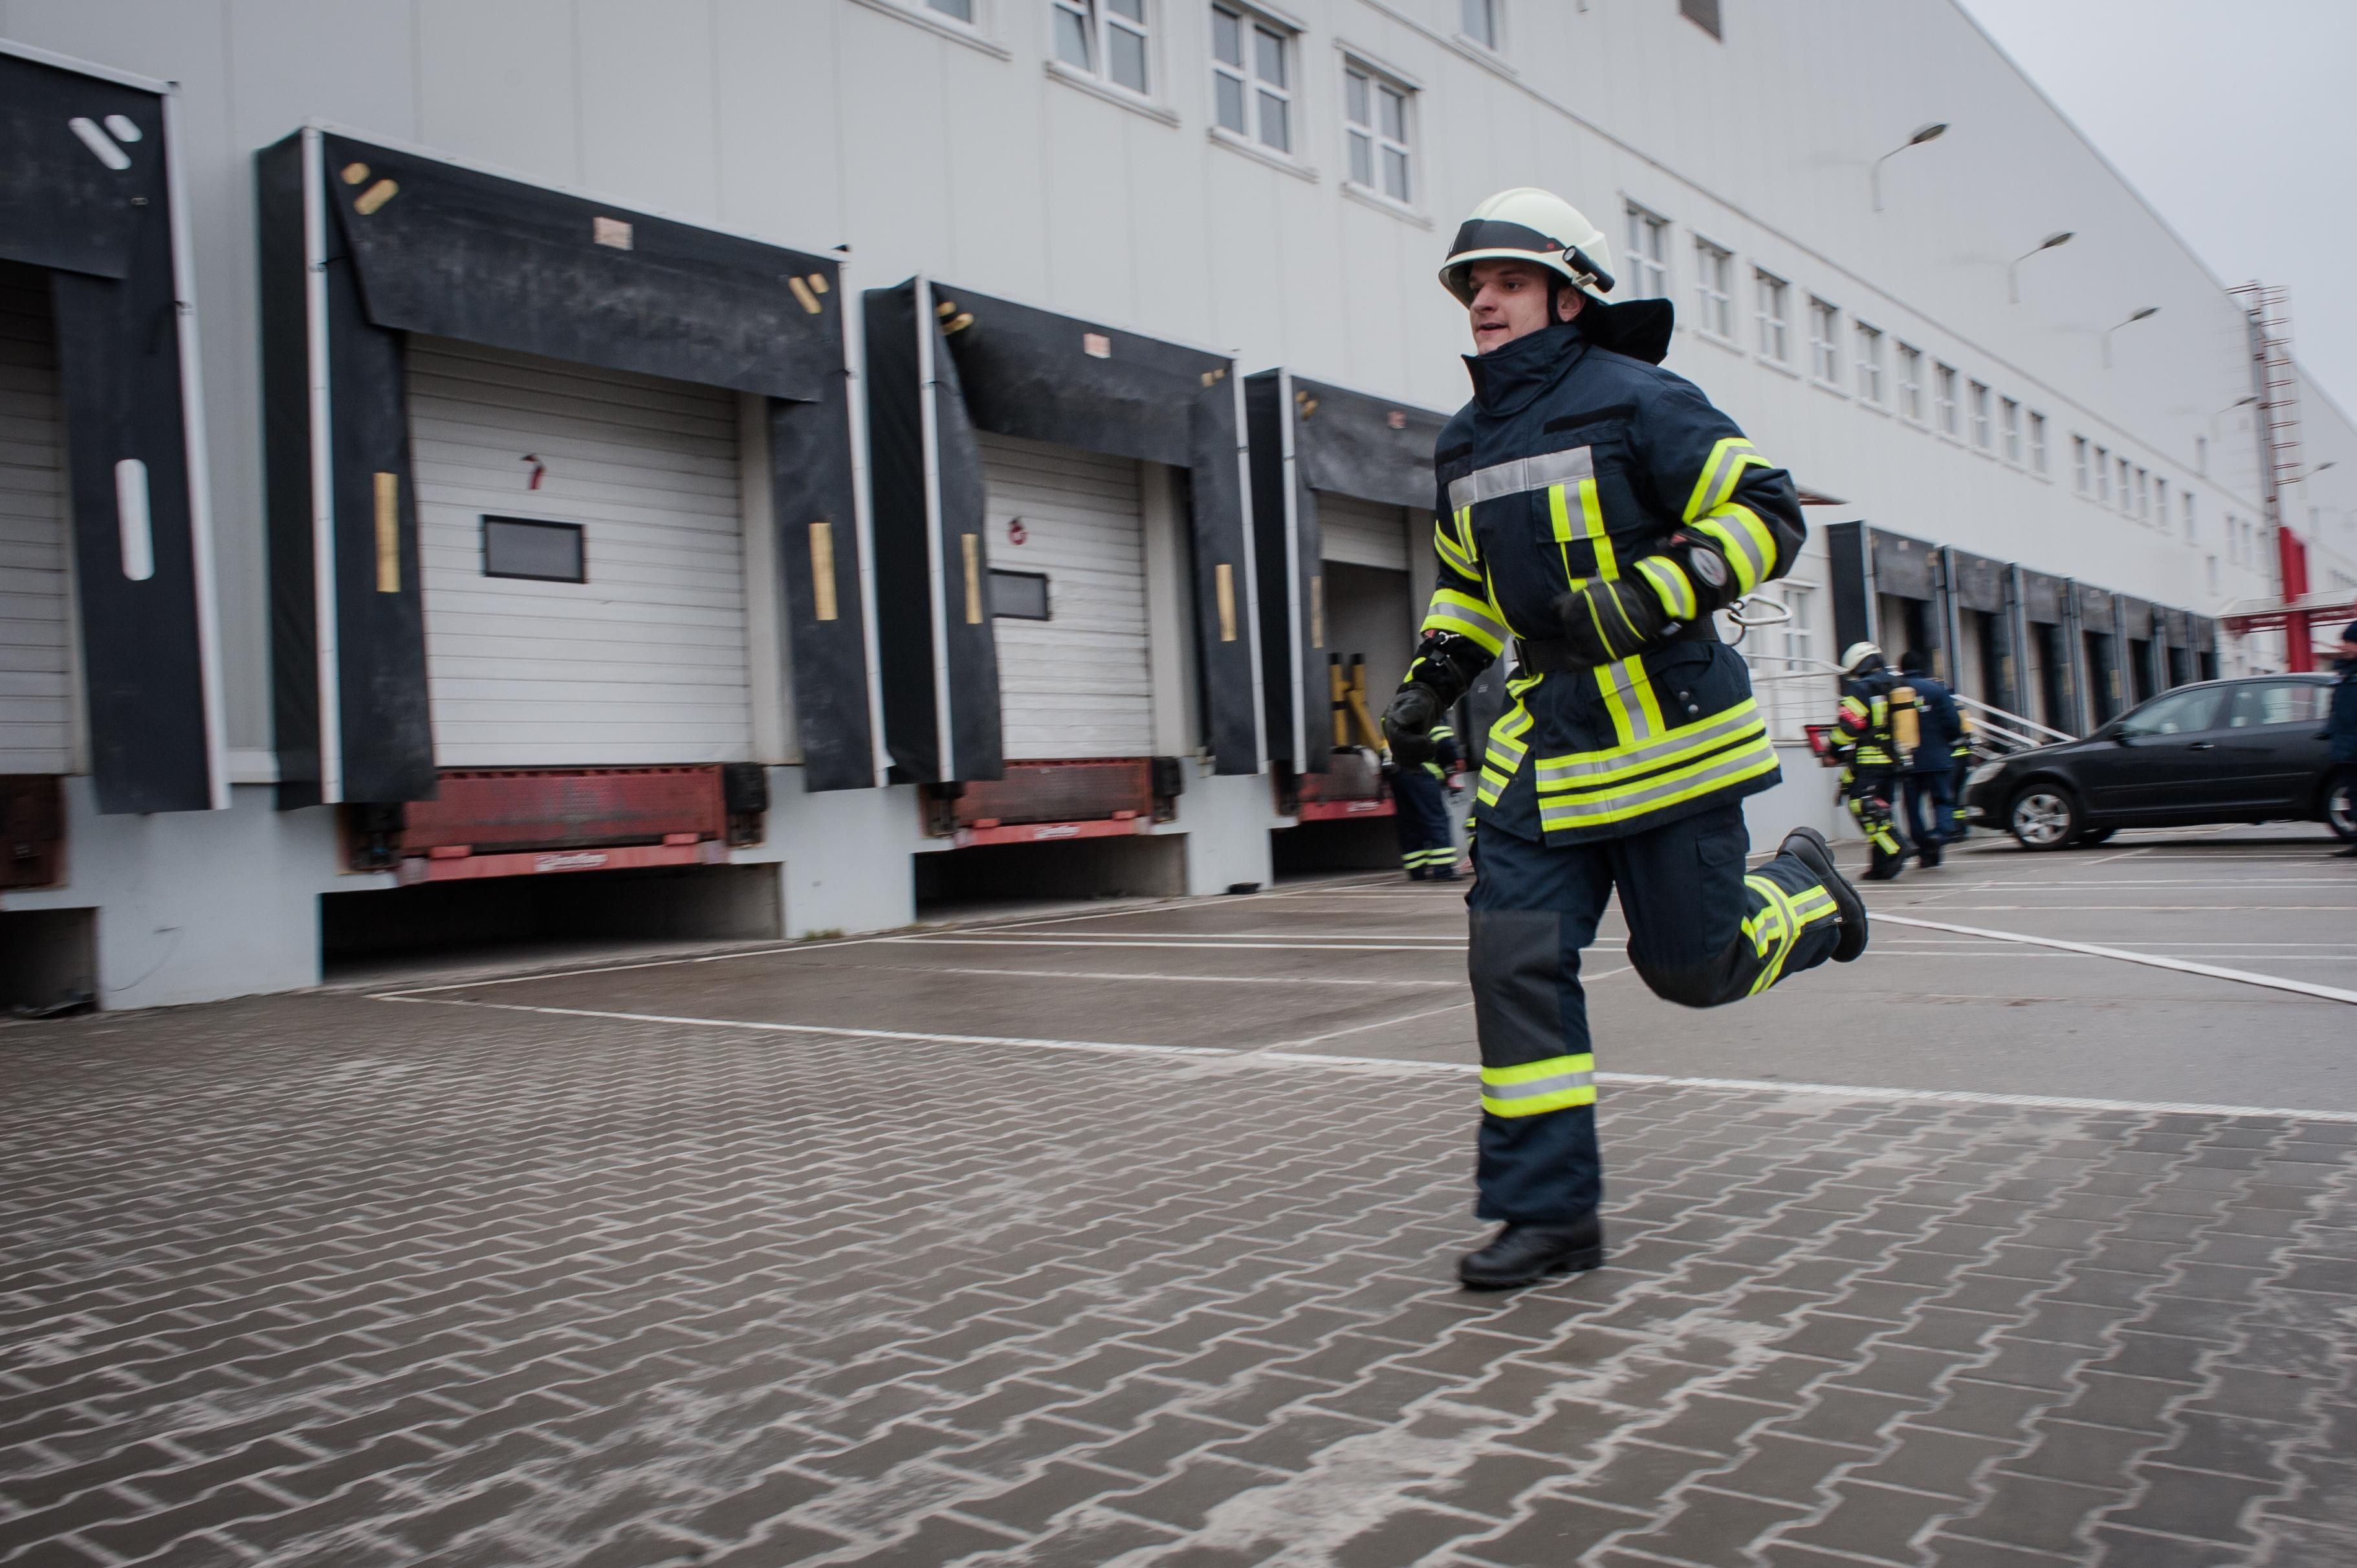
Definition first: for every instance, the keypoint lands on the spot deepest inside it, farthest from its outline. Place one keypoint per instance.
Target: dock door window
(1018, 596)
(541, 551)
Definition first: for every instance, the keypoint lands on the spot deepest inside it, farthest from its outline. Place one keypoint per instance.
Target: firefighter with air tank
(1875, 734)
(1595, 509)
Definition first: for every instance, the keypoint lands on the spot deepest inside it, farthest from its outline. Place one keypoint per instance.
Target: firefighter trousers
(1871, 793)
(1703, 930)
(1421, 814)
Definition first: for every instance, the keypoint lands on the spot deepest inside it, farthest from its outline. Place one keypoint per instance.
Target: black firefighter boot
(1809, 847)
(1525, 1254)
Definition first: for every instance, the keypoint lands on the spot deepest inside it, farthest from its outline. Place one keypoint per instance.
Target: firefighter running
(1595, 509)
(1420, 801)
(1875, 736)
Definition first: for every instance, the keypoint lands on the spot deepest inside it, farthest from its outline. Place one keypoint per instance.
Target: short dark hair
(1913, 663)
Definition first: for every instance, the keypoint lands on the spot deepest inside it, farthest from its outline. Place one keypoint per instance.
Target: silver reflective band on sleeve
(1532, 1089)
(1523, 474)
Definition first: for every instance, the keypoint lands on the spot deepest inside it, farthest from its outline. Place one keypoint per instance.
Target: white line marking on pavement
(2241, 976)
(1360, 1028)
(1418, 1068)
(1148, 975)
(836, 1031)
(2122, 855)
(1203, 946)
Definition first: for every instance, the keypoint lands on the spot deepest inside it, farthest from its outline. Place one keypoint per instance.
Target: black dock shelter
(2095, 617)
(1976, 621)
(94, 267)
(1311, 439)
(945, 363)
(362, 244)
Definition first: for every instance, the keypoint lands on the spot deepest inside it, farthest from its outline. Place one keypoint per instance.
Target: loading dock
(108, 657)
(562, 542)
(1978, 619)
(1065, 584)
(2049, 661)
(1344, 481)
(2096, 624)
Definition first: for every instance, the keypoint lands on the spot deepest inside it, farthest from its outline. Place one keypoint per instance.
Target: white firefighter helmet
(1527, 224)
(1857, 656)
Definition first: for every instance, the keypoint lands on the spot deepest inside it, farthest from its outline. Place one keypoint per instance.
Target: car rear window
(2275, 703)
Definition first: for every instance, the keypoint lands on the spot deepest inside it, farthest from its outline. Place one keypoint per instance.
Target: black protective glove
(1609, 619)
(1408, 724)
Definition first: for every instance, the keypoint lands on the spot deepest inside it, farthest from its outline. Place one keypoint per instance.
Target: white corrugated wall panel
(1362, 533)
(645, 662)
(36, 583)
(1076, 684)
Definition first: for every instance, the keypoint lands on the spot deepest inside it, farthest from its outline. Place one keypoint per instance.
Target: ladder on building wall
(2269, 307)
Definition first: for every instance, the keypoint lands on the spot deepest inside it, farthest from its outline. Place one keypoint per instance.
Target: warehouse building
(742, 470)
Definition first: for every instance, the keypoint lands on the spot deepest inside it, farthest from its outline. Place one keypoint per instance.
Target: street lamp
(1931, 132)
(2139, 316)
(2013, 268)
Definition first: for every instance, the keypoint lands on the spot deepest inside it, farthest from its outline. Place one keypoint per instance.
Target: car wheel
(2340, 811)
(2044, 817)
(2093, 836)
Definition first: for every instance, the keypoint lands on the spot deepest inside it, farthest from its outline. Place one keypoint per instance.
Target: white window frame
(1255, 88)
(1495, 10)
(977, 34)
(2008, 420)
(1825, 341)
(1714, 290)
(2185, 505)
(2102, 475)
(1775, 327)
(1377, 141)
(1911, 382)
(1792, 703)
(2160, 502)
(2123, 464)
(2037, 443)
(2144, 494)
(1945, 380)
(1984, 435)
(1870, 361)
(1097, 23)
(1648, 258)
(2079, 450)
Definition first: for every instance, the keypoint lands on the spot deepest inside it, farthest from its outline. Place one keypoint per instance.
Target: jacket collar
(1508, 380)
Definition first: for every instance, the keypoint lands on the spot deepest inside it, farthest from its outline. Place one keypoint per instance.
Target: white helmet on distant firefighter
(1860, 657)
(1527, 224)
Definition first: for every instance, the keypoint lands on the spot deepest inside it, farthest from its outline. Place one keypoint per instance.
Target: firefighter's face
(1510, 301)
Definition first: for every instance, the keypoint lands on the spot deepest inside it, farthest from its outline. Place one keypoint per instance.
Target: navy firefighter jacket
(1572, 462)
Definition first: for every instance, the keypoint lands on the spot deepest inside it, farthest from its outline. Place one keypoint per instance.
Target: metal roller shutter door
(1363, 533)
(1075, 684)
(35, 583)
(643, 662)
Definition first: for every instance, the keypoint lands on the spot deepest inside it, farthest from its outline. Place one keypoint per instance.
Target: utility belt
(1554, 655)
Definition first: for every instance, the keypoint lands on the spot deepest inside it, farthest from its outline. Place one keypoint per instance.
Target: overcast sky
(2237, 121)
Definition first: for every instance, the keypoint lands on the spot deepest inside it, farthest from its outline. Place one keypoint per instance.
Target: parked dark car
(2249, 750)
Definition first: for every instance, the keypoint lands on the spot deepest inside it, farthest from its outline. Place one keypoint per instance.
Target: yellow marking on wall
(1226, 578)
(972, 545)
(821, 548)
(388, 533)
(803, 296)
(375, 195)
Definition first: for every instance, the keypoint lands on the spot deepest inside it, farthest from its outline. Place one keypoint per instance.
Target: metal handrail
(1995, 730)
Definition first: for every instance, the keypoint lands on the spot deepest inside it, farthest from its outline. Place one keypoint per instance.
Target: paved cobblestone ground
(331, 1280)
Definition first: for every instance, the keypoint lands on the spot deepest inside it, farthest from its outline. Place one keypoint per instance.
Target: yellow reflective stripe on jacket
(1719, 473)
(1599, 769)
(1506, 749)
(1452, 553)
(1669, 580)
(1719, 770)
(1744, 539)
(1469, 616)
(1531, 1088)
(1629, 697)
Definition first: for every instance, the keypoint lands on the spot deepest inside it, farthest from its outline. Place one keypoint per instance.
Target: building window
(2201, 455)
(2009, 422)
(1018, 596)
(1943, 397)
(2185, 505)
(1376, 128)
(1825, 342)
(1980, 416)
(2104, 474)
(2124, 487)
(2144, 495)
(1792, 651)
(961, 9)
(1649, 254)
(2038, 443)
(1104, 38)
(1911, 381)
(1252, 77)
(535, 550)
(1481, 21)
(1772, 297)
(2160, 503)
(1869, 363)
(2078, 463)
(1714, 289)
(1703, 13)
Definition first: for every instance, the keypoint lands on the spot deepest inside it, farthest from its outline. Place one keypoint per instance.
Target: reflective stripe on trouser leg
(1532, 909)
(1702, 932)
